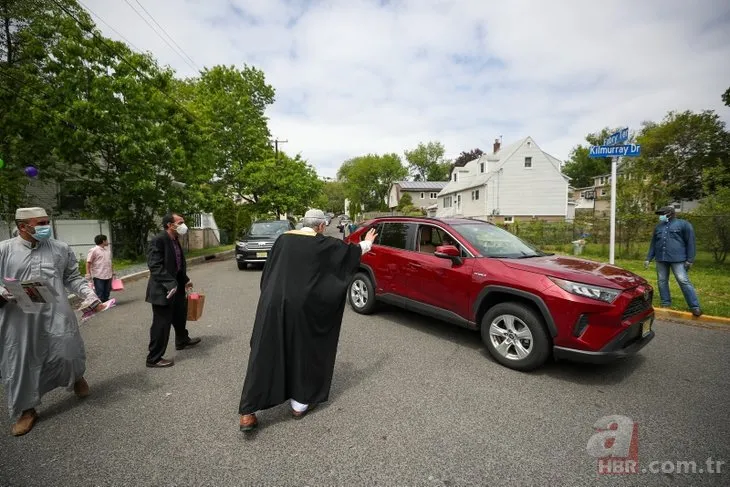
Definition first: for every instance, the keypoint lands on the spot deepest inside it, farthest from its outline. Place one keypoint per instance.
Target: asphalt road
(414, 402)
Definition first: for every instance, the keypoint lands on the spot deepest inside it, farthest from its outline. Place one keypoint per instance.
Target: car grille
(257, 245)
(636, 306)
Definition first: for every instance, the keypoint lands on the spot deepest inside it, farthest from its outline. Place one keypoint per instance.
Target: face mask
(42, 232)
(663, 218)
(182, 229)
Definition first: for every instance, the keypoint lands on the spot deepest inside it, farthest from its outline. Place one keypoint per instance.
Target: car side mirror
(448, 252)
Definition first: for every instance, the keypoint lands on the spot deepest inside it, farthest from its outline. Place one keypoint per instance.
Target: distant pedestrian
(673, 247)
(99, 267)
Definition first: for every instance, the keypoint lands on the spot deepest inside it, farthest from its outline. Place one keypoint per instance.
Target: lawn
(711, 280)
(121, 264)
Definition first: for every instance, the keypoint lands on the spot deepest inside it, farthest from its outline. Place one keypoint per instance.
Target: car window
(492, 241)
(260, 229)
(378, 229)
(396, 234)
(430, 237)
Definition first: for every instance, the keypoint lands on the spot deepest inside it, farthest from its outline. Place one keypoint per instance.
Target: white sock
(298, 406)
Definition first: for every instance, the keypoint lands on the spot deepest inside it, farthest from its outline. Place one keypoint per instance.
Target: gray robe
(40, 351)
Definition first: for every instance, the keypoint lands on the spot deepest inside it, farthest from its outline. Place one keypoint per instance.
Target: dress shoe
(696, 312)
(81, 388)
(190, 343)
(25, 422)
(248, 422)
(161, 363)
(300, 415)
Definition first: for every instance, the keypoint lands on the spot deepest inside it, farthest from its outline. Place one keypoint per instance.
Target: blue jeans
(662, 274)
(103, 288)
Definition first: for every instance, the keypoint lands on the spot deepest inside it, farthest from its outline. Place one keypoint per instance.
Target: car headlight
(242, 245)
(605, 294)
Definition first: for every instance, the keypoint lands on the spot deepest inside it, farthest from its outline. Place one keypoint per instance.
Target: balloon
(31, 171)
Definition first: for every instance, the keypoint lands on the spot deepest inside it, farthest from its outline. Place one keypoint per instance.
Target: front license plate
(261, 255)
(646, 327)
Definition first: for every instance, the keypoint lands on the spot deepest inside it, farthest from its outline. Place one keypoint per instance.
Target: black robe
(298, 320)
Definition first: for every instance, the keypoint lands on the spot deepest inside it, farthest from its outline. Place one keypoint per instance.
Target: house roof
(500, 158)
(422, 185)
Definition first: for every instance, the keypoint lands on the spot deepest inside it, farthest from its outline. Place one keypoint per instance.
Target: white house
(517, 182)
(423, 193)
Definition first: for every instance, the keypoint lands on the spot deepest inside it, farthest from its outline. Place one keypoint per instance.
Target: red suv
(526, 303)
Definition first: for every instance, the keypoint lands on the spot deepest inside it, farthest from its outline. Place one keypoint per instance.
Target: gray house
(423, 193)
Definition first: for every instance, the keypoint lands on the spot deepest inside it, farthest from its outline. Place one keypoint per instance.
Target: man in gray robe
(41, 350)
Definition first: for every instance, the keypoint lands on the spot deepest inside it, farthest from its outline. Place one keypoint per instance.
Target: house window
(447, 202)
(454, 177)
(433, 196)
(423, 195)
(70, 197)
(475, 195)
(481, 167)
(528, 161)
(509, 219)
(458, 202)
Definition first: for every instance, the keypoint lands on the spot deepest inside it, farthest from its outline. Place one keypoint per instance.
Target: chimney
(496, 145)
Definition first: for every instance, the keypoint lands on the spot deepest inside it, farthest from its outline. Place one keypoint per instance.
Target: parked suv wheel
(361, 294)
(242, 266)
(515, 336)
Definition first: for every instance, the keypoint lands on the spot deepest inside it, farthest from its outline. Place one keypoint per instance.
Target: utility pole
(276, 146)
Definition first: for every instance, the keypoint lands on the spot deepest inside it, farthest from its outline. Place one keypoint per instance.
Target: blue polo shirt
(673, 241)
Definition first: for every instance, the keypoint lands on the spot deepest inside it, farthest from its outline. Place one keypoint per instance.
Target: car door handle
(413, 264)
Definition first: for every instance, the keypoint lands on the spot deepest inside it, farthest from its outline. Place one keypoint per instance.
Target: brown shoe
(248, 422)
(25, 422)
(81, 388)
(161, 363)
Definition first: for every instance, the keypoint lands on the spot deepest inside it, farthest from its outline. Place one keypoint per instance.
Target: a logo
(615, 444)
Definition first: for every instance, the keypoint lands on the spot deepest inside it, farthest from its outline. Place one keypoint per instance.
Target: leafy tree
(426, 162)
(467, 156)
(714, 211)
(287, 186)
(232, 103)
(677, 152)
(367, 179)
(334, 194)
(581, 168)
(406, 200)
(726, 97)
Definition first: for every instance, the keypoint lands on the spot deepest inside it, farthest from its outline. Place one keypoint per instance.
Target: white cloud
(359, 76)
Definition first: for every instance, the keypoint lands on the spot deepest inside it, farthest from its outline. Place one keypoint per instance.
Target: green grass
(121, 264)
(711, 280)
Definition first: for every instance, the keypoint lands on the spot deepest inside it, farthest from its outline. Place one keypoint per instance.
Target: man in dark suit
(166, 291)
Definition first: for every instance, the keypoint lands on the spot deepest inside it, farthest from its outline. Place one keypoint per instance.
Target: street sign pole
(614, 148)
(614, 181)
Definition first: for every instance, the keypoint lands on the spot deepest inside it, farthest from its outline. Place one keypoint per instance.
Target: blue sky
(360, 76)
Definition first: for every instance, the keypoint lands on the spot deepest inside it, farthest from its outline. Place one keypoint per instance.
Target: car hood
(255, 238)
(578, 270)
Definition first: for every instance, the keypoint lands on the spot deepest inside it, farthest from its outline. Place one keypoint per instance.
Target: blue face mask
(663, 218)
(42, 232)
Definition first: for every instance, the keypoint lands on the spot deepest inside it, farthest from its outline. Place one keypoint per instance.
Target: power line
(158, 34)
(122, 57)
(112, 28)
(168, 35)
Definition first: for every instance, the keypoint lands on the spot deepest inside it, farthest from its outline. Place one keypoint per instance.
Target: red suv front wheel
(515, 336)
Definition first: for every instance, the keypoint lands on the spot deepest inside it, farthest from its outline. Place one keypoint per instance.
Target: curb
(193, 261)
(673, 315)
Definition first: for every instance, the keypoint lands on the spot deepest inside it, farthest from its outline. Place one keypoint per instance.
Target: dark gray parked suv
(254, 245)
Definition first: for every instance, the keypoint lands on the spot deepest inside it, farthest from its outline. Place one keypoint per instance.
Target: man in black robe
(298, 319)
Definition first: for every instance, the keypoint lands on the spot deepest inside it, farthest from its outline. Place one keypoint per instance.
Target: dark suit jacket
(163, 270)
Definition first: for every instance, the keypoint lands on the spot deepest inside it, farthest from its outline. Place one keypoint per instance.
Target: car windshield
(492, 241)
(265, 229)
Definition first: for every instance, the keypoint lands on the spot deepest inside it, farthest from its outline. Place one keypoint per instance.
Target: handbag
(117, 285)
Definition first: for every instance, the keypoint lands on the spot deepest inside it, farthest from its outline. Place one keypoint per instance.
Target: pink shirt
(99, 263)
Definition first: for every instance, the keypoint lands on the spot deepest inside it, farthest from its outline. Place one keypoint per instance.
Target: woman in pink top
(99, 267)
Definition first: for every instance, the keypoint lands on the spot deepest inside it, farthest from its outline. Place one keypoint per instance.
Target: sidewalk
(140, 271)
(674, 315)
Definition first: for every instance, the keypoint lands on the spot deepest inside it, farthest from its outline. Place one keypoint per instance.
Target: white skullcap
(314, 213)
(27, 213)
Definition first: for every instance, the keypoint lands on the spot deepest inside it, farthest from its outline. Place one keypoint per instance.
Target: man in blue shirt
(673, 246)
